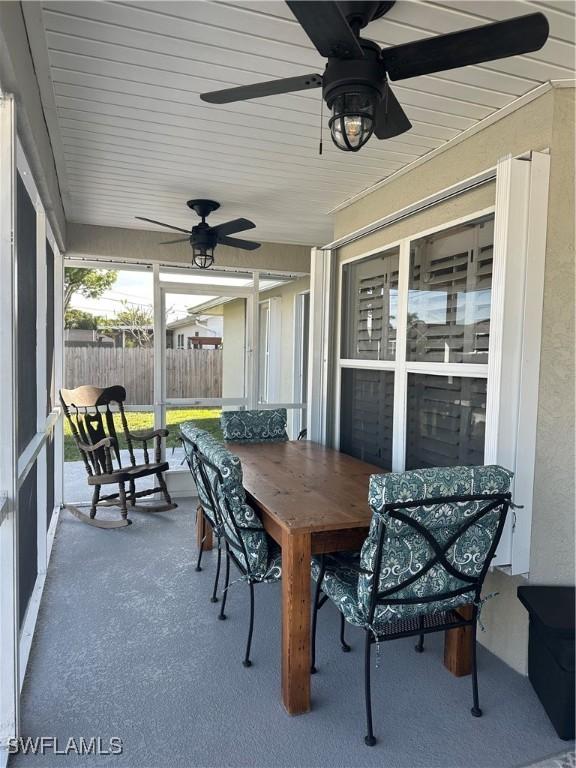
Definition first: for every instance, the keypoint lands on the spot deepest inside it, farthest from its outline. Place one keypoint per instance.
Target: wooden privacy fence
(191, 373)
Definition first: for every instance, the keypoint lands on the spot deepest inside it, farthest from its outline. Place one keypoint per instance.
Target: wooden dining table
(312, 500)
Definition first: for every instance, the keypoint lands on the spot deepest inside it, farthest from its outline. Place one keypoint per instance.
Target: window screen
(370, 293)
(26, 291)
(27, 539)
(50, 479)
(449, 295)
(366, 415)
(49, 328)
(446, 418)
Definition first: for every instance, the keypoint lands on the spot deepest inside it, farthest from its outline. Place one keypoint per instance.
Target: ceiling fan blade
(259, 90)
(470, 46)
(236, 242)
(391, 120)
(180, 240)
(161, 224)
(236, 225)
(327, 27)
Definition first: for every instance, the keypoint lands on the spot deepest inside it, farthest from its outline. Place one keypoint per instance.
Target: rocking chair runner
(91, 421)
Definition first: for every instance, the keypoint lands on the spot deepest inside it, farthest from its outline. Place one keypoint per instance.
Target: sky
(136, 289)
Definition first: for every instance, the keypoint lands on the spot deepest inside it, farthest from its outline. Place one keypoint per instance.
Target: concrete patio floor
(128, 645)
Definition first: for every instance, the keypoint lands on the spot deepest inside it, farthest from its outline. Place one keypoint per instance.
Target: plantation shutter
(446, 418)
(367, 415)
(449, 296)
(370, 309)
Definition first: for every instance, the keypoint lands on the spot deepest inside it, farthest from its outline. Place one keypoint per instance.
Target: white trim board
(9, 608)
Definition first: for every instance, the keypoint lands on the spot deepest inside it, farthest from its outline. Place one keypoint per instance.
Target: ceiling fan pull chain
(321, 117)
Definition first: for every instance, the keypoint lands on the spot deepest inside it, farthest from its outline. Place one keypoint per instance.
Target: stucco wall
(90, 241)
(552, 551)
(546, 122)
(233, 346)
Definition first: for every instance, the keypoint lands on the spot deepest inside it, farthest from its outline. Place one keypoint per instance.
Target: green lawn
(206, 418)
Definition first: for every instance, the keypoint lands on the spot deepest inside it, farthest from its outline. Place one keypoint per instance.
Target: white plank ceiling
(131, 136)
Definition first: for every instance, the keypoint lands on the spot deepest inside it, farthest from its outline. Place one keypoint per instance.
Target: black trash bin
(551, 652)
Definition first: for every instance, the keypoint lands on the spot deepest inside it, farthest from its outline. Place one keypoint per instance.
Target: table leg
(296, 604)
(458, 646)
(203, 527)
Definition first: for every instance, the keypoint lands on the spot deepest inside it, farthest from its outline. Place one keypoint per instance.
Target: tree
(90, 283)
(135, 321)
(77, 318)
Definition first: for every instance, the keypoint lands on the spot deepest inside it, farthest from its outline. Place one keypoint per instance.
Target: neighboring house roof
(86, 336)
(130, 327)
(187, 321)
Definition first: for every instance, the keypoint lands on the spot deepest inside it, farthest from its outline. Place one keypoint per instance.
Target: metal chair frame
(218, 497)
(425, 623)
(91, 420)
(200, 510)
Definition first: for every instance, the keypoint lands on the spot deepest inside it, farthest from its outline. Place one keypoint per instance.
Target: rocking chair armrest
(143, 436)
(106, 443)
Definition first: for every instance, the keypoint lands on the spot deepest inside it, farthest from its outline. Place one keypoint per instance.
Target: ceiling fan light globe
(352, 121)
(203, 258)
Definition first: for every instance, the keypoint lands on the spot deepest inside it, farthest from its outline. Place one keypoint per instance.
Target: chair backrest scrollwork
(432, 538)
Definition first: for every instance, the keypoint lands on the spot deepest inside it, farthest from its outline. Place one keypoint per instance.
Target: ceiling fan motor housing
(367, 75)
(204, 237)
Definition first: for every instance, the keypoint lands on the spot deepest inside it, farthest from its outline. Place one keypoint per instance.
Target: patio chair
(91, 419)
(248, 546)
(432, 538)
(255, 426)
(190, 435)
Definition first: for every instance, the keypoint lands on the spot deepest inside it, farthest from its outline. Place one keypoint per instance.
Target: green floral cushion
(340, 582)
(191, 434)
(251, 530)
(255, 426)
(405, 551)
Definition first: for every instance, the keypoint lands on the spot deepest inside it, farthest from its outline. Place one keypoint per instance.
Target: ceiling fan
(203, 238)
(355, 82)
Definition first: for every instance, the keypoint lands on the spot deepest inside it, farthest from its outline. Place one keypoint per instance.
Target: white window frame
(299, 350)
(512, 370)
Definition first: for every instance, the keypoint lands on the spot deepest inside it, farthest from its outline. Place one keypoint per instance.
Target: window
(449, 295)
(366, 421)
(445, 421)
(370, 298)
(180, 341)
(414, 360)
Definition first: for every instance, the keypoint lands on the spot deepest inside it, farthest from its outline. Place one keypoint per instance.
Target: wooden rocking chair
(91, 421)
